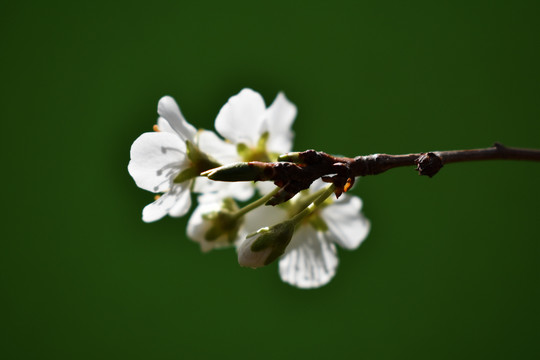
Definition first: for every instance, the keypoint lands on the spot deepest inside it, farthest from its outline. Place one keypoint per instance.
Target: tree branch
(296, 171)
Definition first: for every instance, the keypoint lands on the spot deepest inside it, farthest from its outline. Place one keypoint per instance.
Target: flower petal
(318, 185)
(240, 120)
(346, 224)
(250, 258)
(154, 211)
(264, 216)
(156, 158)
(310, 260)
(265, 187)
(169, 110)
(175, 203)
(280, 116)
(163, 125)
(182, 194)
(220, 150)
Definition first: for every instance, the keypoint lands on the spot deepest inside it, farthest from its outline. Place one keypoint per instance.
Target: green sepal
(185, 175)
(261, 144)
(258, 153)
(201, 161)
(243, 150)
(224, 222)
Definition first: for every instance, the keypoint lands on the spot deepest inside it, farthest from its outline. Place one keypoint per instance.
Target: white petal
(318, 185)
(263, 216)
(154, 211)
(163, 125)
(310, 260)
(250, 258)
(265, 187)
(175, 203)
(346, 224)
(169, 110)
(182, 194)
(211, 190)
(156, 158)
(240, 120)
(280, 116)
(220, 150)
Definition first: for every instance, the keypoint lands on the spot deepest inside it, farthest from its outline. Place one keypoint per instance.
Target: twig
(296, 171)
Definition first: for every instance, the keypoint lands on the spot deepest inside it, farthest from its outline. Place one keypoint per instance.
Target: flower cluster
(302, 232)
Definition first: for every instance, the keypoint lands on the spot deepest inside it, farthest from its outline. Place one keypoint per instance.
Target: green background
(449, 269)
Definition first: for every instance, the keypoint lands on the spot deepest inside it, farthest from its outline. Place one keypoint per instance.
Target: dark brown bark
(297, 171)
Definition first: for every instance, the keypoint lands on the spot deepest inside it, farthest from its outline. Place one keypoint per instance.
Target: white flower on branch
(214, 224)
(168, 160)
(309, 259)
(259, 133)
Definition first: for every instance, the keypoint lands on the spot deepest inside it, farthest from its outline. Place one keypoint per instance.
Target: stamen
(156, 198)
(164, 150)
(168, 179)
(156, 128)
(171, 167)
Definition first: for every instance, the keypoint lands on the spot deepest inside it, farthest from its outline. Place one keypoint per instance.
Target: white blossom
(261, 132)
(254, 132)
(214, 213)
(158, 158)
(310, 259)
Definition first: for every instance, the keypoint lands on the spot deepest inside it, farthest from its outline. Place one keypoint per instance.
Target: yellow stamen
(156, 198)
(155, 128)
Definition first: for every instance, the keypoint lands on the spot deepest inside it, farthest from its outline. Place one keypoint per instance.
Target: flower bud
(266, 245)
(240, 171)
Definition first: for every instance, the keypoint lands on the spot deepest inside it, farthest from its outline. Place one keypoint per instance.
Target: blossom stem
(261, 201)
(308, 210)
(305, 201)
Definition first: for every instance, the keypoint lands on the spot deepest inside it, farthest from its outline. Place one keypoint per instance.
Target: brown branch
(297, 171)
(430, 163)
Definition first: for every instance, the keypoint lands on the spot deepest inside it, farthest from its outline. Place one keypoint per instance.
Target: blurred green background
(449, 269)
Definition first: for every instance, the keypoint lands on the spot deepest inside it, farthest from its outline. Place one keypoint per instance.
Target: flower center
(258, 152)
(199, 162)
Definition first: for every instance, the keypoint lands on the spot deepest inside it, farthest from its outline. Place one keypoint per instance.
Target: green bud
(240, 171)
(266, 245)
